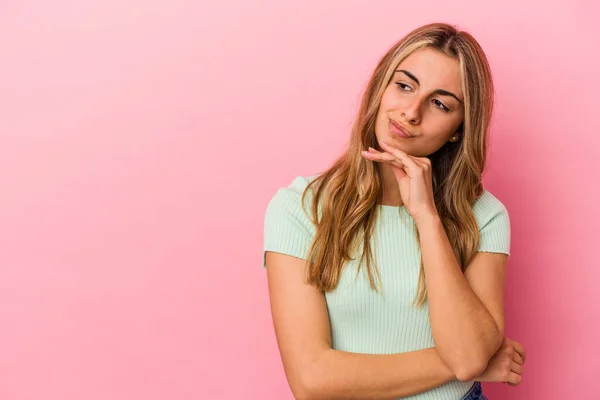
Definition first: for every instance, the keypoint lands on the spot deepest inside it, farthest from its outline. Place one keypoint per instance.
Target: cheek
(444, 126)
(390, 100)
(437, 130)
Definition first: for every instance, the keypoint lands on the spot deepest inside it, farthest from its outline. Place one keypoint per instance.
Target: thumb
(399, 173)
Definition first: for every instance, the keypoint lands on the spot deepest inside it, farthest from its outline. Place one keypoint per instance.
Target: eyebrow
(437, 91)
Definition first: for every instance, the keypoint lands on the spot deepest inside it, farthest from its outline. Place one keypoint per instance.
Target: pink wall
(141, 140)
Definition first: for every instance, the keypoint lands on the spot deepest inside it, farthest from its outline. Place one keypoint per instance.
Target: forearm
(464, 331)
(343, 375)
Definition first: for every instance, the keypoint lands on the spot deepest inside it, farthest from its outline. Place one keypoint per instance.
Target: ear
(455, 137)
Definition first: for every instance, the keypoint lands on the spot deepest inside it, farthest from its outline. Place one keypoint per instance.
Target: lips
(399, 130)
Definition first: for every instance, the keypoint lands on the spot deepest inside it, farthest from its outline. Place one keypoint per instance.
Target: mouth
(399, 130)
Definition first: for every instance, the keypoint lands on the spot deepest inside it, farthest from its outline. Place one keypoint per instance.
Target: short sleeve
(494, 224)
(287, 229)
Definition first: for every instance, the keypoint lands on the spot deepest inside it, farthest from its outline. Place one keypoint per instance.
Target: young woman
(403, 293)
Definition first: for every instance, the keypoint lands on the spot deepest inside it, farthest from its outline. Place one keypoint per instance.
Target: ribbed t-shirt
(361, 319)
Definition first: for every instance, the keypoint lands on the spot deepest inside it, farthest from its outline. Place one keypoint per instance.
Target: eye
(403, 86)
(441, 105)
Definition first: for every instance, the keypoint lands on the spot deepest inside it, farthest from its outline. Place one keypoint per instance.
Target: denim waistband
(475, 393)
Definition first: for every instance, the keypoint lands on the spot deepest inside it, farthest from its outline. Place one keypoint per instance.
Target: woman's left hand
(414, 178)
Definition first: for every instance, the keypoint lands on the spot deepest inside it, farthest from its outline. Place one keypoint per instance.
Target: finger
(519, 349)
(393, 162)
(513, 379)
(398, 165)
(375, 151)
(422, 160)
(383, 157)
(407, 160)
(518, 359)
(516, 368)
(424, 165)
(379, 156)
(426, 160)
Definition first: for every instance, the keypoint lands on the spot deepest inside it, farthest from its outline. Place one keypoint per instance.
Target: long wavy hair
(346, 194)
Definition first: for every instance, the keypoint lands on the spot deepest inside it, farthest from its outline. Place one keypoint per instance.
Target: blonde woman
(386, 271)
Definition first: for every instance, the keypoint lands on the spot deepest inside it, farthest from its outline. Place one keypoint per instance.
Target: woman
(403, 294)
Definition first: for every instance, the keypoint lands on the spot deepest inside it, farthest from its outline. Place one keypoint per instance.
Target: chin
(396, 142)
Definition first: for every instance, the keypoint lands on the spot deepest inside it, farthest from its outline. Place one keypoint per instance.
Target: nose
(412, 112)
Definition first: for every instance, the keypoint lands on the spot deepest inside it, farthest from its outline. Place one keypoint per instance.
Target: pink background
(140, 142)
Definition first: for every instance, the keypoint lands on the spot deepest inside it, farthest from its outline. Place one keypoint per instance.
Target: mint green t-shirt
(363, 320)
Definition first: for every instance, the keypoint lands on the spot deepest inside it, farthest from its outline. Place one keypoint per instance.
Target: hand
(414, 178)
(506, 365)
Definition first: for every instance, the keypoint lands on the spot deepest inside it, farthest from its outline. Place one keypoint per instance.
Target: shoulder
(286, 202)
(291, 193)
(487, 203)
(494, 224)
(298, 185)
(287, 226)
(488, 207)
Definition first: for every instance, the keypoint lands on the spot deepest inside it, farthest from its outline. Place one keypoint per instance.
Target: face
(424, 99)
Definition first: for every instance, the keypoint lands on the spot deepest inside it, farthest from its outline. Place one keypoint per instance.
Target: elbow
(302, 390)
(307, 386)
(301, 393)
(473, 363)
(313, 380)
(307, 390)
(469, 372)
(471, 369)
(467, 366)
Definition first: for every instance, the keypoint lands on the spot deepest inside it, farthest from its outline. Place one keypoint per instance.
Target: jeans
(475, 393)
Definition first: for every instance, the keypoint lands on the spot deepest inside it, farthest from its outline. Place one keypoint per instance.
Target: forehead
(433, 69)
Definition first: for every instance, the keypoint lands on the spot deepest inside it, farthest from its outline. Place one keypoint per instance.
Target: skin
(431, 118)
(466, 309)
(467, 315)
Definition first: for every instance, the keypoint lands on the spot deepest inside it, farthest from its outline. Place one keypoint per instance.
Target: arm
(316, 371)
(466, 310)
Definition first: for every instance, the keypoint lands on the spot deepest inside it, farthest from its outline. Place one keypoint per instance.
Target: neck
(391, 190)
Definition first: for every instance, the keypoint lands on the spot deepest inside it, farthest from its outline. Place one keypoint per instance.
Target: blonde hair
(345, 195)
